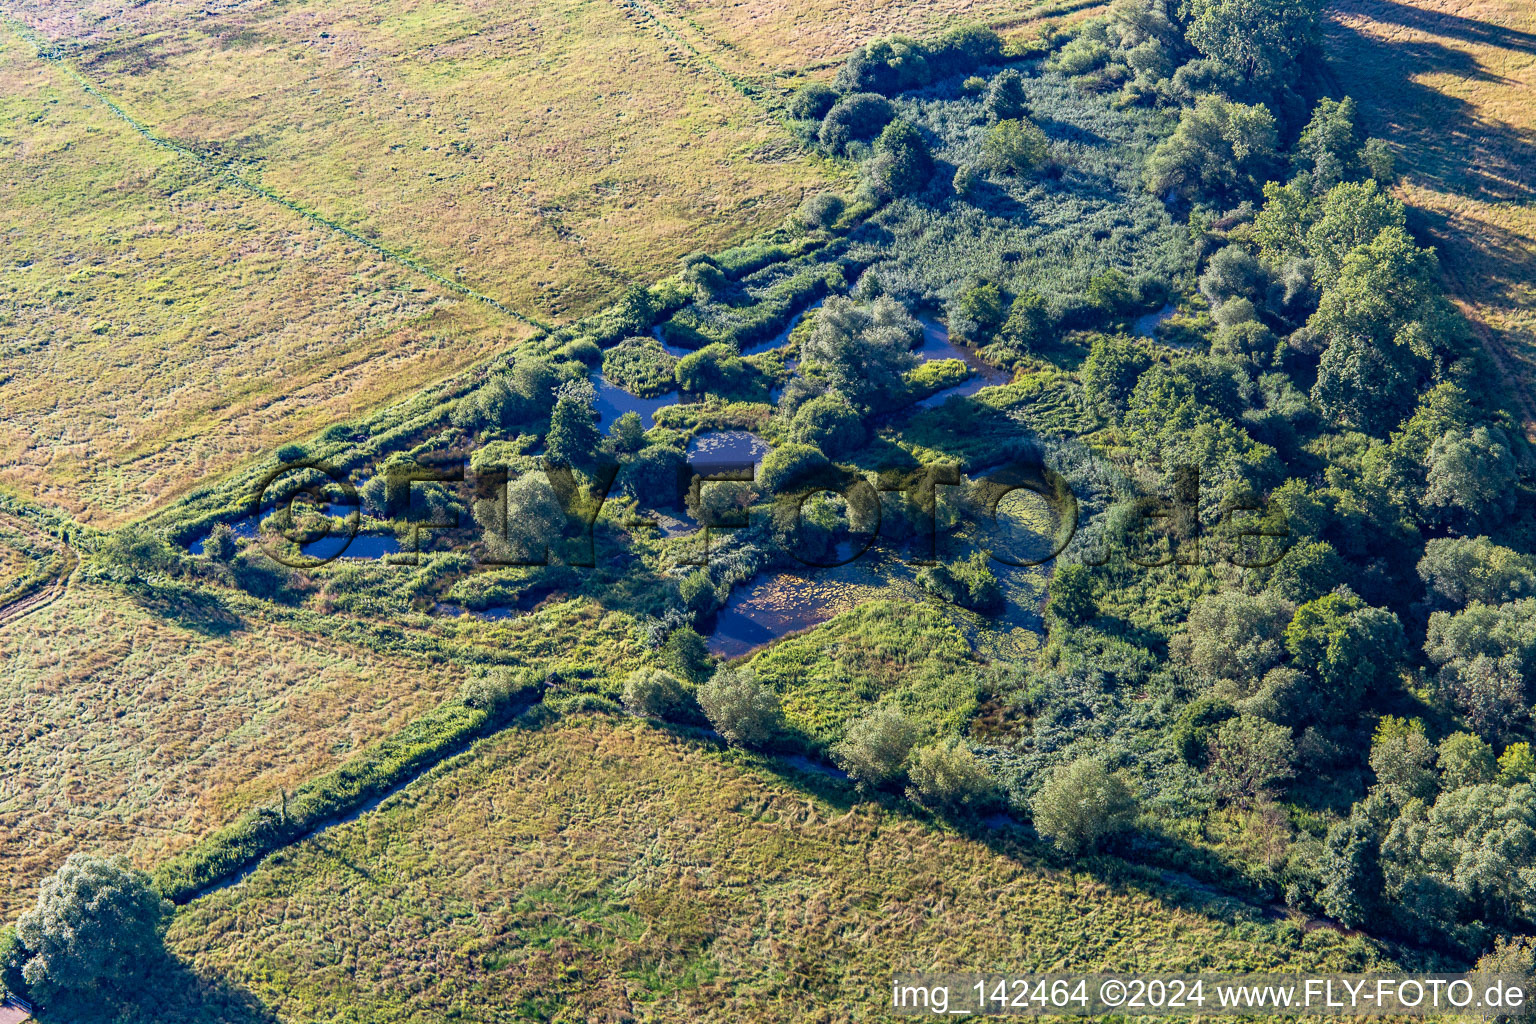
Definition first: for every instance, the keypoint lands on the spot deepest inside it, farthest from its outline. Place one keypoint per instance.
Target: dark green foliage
(811, 102)
(790, 465)
(1083, 806)
(861, 115)
(640, 366)
(654, 693)
(901, 164)
(714, 369)
(1072, 595)
(655, 477)
(875, 748)
(1006, 100)
(826, 422)
(897, 64)
(1486, 656)
(1248, 758)
(1465, 760)
(1196, 724)
(1460, 570)
(1352, 867)
(1029, 324)
(969, 584)
(1349, 648)
(741, 708)
(1221, 152)
(1016, 147)
(573, 438)
(1110, 372)
(96, 930)
(819, 210)
(862, 351)
(1261, 41)
(978, 313)
(1403, 759)
(685, 654)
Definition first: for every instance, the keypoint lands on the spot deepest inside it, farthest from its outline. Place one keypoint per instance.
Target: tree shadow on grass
(172, 993)
(1444, 139)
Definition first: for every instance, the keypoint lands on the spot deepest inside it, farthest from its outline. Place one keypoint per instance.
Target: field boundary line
(226, 173)
(47, 592)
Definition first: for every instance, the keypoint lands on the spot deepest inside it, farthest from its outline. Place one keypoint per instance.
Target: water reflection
(937, 345)
(783, 336)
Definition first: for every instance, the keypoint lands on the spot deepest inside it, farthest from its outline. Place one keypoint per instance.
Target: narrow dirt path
(49, 591)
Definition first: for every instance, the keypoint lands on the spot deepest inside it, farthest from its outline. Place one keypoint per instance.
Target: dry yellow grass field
(158, 326)
(546, 154)
(123, 730)
(596, 871)
(1452, 83)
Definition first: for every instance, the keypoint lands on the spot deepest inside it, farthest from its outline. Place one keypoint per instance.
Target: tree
(826, 422)
(1466, 760)
(741, 708)
(1477, 845)
(874, 750)
(1460, 570)
(1083, 805)
(1234, 638)
(686, 654)
(653, 693)
(1220, 152)
(1248, 757)
(573, 438)
(949, 775)
(1029, 323)
(1352, 865)
(1471, 481)
(99, 925)
(1329, 149)
(1015, 147)
(627, 435)
(1347, 646)
(1486, 657)
(1005, 98)
(1517, 764)
(863, 351)
(1110, 372)
(1259, 40)
(220, 545)
(1072, 595)
(1403, 759)
(978, 312)
(529, 523)
(901, 165)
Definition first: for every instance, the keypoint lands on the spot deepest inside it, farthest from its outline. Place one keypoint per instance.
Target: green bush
(811, 102)
(653, 693)
(859, 116)
(819, 210)
(1082, 806)
(874, 750)
(741, 709)
(789, 466)
(949, 775)
(827, 423)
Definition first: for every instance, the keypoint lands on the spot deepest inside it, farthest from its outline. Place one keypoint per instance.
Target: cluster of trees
(1162, 53)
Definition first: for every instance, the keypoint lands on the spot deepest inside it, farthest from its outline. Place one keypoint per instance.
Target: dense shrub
(741, 709)
(874, 749)
(858, 116)
(811, 102)
(827, 423)
(654, 693)
(1083, 805)
(950, 776)
(819, 210)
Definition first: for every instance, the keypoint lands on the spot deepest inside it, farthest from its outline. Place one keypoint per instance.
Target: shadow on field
(173, 993)
(1454, 25)
(1444, 139)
